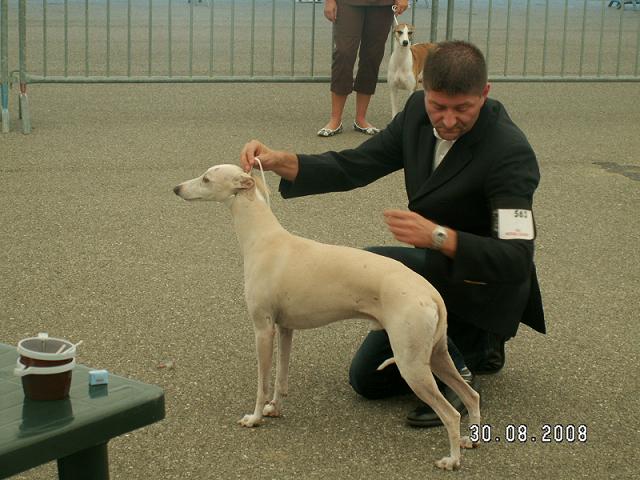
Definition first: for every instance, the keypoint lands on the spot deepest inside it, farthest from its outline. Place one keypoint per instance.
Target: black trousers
(467, 343)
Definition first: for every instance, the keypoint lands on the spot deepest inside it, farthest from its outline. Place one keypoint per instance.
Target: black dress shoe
(425, 417)
(494, 359)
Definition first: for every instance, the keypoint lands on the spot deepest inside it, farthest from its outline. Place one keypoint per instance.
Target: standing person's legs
(347, 31)
(375, 31)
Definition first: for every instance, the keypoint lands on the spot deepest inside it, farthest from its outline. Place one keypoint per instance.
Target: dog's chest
(400, 71)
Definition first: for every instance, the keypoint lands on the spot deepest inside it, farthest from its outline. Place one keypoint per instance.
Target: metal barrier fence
(4, 64)
(172, 41)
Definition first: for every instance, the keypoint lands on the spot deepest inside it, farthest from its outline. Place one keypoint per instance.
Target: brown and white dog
(406, 64)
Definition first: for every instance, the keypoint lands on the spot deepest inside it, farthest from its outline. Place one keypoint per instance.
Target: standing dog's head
(217, 184)
(403, 33)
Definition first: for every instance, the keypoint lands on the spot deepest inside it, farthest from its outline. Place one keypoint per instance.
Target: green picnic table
(74, 431)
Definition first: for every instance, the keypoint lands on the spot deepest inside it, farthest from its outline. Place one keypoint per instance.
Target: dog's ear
(244, 181)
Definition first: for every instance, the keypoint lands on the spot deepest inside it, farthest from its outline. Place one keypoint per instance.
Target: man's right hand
(282, 163)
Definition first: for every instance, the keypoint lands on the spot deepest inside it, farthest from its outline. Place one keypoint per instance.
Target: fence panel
(552, 40)
(288, 40)
(4, 64)
(177, 41)
(88, 41)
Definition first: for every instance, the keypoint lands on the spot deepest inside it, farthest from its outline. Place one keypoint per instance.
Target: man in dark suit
(470, 175)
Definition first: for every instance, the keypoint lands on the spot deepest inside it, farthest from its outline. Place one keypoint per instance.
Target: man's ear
(486, 89)
(244, 181)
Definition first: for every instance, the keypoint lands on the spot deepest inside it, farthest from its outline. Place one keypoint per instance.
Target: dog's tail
(386, 363)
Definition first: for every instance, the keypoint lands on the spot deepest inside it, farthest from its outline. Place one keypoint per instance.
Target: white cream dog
(345, 283)
(405, 64)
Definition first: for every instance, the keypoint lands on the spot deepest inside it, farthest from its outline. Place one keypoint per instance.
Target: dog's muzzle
(405, 43)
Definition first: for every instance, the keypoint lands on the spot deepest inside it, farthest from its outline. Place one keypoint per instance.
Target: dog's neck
(401, 58)
(253, 219)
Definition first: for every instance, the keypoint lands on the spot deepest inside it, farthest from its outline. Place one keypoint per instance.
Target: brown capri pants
(364, 27)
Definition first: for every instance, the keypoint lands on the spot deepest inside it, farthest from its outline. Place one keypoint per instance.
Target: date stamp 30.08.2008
(521, 433)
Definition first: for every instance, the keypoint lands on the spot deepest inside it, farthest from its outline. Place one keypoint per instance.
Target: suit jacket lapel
(456, 159)
(424, 164)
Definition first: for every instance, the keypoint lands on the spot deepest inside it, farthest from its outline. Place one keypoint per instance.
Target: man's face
(454, 115)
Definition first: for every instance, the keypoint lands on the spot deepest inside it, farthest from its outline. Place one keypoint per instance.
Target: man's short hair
(455, 67)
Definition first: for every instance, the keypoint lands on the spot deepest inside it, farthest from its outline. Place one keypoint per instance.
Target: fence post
(4, 63)
(434, 20)
(450, 11)
(22, 52)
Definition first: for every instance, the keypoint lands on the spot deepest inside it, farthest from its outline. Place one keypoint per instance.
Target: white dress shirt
(442, 147)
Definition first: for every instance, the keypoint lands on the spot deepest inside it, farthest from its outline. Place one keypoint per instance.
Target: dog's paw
(448, 463)
(271, 410)
(250, 421)
(465, 442)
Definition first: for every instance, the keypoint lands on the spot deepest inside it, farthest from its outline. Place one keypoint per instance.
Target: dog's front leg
(274, 408)
(395, 100)
(264, 348)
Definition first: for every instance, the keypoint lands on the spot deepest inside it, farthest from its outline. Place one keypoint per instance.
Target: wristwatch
(438, 237)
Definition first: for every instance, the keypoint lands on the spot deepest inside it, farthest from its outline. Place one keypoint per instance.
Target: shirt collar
(435, 133)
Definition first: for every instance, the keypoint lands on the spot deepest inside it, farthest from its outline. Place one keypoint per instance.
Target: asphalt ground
(95, 246)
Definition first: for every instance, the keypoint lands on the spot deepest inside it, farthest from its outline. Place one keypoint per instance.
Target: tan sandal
(367, 130)
(327, 132)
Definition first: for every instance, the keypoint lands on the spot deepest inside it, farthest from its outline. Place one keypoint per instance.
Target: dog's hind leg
(264, 348)
(443, 367)
(274, 407)
(412, 343)
(424, 386)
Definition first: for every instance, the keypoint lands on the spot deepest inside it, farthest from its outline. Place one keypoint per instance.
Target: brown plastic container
(46, 374)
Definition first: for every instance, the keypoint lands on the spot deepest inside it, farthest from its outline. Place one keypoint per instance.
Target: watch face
(439, 237)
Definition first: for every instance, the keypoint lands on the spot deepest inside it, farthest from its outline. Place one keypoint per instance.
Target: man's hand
(254, 149)
(284, 164)
(331, 10)
(409, 227)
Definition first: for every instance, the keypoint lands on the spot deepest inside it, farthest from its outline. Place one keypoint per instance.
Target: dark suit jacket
(491, 283)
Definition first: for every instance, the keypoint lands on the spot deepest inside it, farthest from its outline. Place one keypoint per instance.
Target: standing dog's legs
(426, 389)
(395, 100)
(395, 94)
(274, 408)
(264, 346)
(411, 341)
(443, 367)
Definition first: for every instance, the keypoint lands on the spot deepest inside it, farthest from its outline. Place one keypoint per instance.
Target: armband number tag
(515, 224)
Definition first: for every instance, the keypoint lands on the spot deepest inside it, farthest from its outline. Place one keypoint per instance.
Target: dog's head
(403, 33)
(217, 184)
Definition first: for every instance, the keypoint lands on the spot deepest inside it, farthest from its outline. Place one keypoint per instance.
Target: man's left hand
(409, 227)
(401, 6)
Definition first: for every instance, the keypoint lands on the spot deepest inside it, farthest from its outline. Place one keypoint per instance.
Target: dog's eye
(205, 180)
